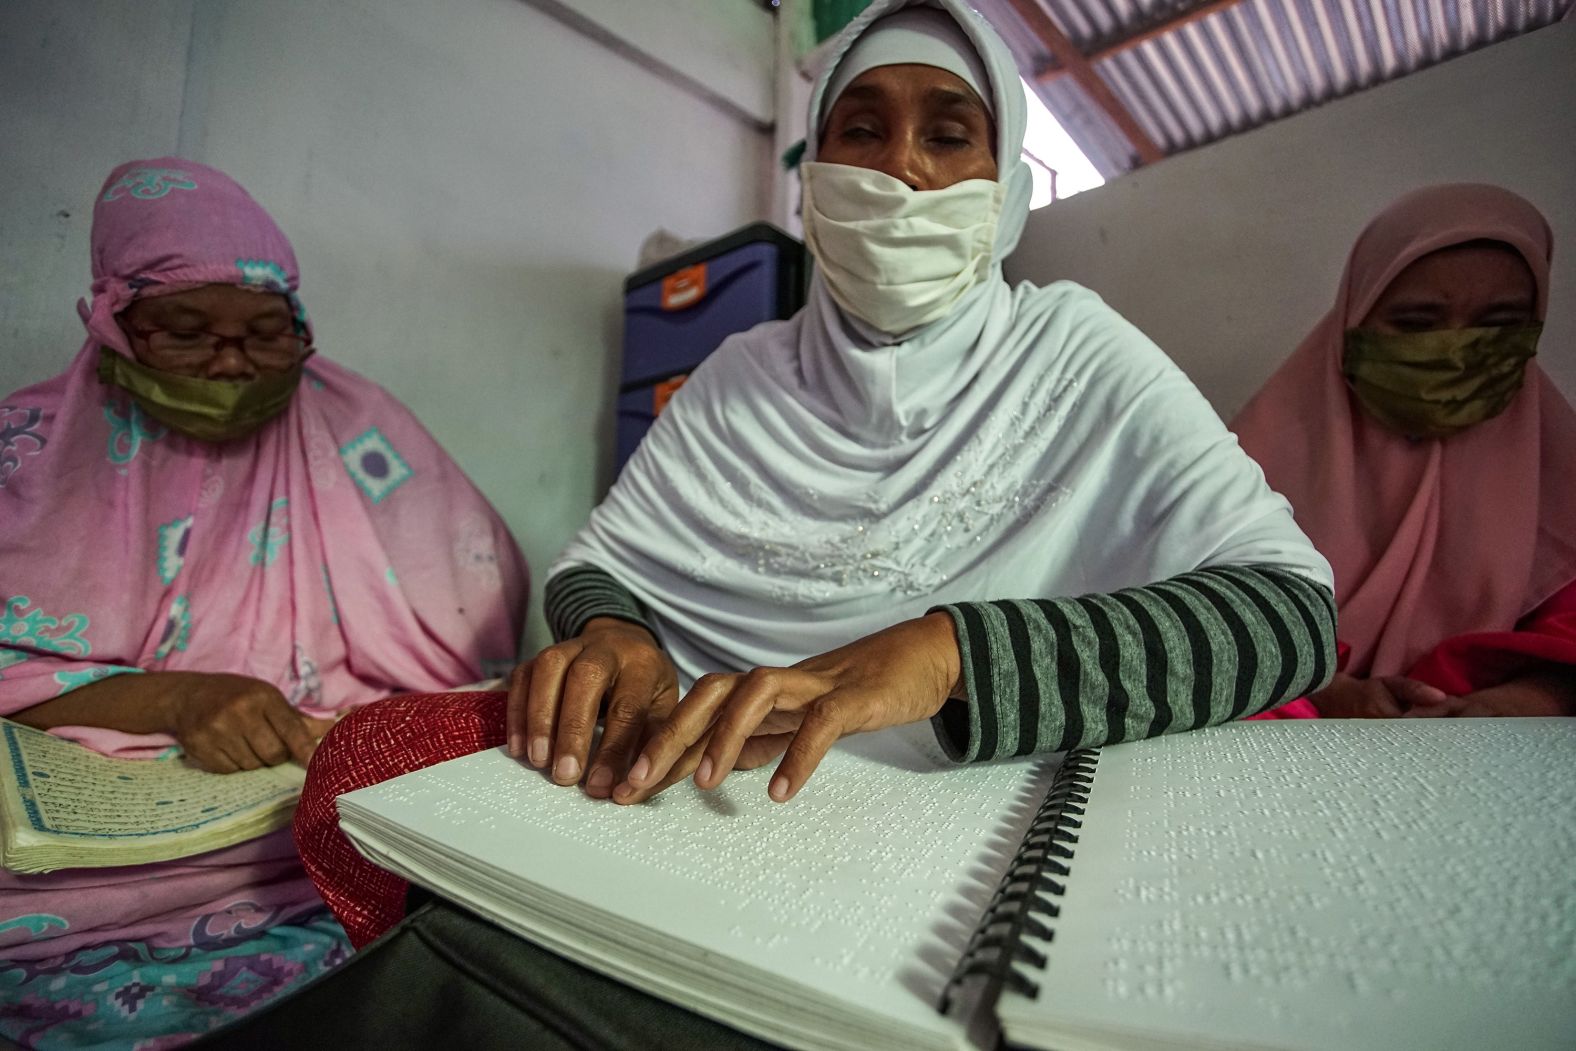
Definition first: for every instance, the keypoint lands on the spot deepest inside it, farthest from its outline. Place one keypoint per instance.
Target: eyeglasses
(190, 348)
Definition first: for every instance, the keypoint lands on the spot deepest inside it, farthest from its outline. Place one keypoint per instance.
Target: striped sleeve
(580, 593)
(1202, 648)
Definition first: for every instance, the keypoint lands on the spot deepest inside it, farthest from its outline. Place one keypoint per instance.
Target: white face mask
(894, 257)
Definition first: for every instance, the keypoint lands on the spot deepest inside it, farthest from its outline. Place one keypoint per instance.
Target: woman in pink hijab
(1434, 464)
(218, 540)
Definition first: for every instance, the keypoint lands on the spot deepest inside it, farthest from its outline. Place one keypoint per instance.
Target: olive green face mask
(208, 410)
(1435, 384)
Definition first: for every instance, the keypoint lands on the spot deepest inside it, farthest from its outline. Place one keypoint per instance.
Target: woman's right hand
(555, 698)
(1387, 697)
(226, 723)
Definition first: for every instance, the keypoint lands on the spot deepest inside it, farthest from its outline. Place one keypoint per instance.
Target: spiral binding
(1023, 899)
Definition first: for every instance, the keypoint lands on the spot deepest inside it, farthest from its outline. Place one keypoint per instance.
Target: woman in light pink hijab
(213, 538)
(1434, 464)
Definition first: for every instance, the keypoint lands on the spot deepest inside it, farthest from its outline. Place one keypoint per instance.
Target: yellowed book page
(72, 798)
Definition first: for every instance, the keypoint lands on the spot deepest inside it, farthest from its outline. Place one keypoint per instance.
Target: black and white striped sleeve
(1201, 648)
(580, 593)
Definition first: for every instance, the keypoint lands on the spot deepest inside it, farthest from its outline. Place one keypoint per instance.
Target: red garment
(373, 744)
(1464, 664)
(1301, 708)
(1476, 661)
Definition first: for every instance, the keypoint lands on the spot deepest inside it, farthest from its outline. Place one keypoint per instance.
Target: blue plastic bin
(679, 311)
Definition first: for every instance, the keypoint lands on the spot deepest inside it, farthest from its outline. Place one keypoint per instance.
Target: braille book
(66, 806)
(1289, 885)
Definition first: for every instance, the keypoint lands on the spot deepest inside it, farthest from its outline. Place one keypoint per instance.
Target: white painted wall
(75, 100)
(716, 46)
(466, 185)
(1226, 256)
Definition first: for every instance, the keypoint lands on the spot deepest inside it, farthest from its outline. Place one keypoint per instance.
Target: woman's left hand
(727, 722)
(1533, 695)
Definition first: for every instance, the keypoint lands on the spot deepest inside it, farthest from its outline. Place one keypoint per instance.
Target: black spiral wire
(1026, 896)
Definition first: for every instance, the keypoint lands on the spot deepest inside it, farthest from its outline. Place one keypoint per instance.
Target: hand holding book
(227, 723)
(224, 723)
(66, 806)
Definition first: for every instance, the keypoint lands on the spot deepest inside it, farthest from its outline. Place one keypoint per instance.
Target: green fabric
(581, 593)
(1435, 384)
(208, 410)
(1202, 648)
(832, 15)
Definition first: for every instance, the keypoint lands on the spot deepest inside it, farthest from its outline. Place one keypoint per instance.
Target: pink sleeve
(117, 743)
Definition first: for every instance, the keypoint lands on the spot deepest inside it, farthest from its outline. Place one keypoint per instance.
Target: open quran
(66, 806)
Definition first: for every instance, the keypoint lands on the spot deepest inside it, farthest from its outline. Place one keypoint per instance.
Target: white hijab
(817, 480)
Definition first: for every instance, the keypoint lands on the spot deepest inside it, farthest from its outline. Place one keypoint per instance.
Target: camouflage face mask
(1435, 384)
(208, 410)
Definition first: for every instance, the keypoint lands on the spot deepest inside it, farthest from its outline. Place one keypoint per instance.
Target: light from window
(1059, 166)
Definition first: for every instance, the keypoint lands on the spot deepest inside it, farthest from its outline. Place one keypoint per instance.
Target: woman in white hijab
(928, 462)
(883, 509)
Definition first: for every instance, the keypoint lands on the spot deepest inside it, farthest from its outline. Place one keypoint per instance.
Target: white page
(863, 889)
(1334, 884)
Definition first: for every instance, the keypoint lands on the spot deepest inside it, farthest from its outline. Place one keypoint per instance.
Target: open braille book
(1290, 885)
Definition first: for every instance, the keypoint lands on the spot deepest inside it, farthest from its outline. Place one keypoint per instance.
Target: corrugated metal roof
(1252, 62)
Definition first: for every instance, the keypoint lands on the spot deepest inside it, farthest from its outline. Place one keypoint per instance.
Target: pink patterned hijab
(1435, 538)
(337, 553)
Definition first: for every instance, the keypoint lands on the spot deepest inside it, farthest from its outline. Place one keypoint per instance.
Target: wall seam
(182, 137)
(647, 61)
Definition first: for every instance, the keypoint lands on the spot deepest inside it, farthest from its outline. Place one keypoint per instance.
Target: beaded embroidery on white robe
(805, 558)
